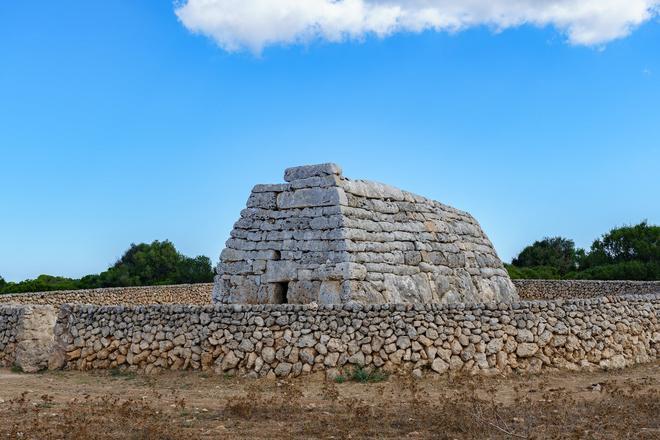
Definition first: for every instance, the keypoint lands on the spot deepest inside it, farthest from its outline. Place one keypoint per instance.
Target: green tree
(151, 264)
(640, 242)
(195, 270)
(141, 265)
(624, 253)
(42, 283)
(551, 252)
(3, 283)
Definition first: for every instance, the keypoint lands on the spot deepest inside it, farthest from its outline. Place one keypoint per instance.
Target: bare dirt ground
(114, 405)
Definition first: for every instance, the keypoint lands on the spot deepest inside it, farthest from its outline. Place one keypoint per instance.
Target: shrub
(624, 253)
(141, 265)
(362, 375)
(538, 272)
(556, 252)
(628, 270)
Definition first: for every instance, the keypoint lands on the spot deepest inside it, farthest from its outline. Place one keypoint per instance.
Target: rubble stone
(289, 339)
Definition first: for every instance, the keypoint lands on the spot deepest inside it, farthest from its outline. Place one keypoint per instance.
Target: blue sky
(118, 124)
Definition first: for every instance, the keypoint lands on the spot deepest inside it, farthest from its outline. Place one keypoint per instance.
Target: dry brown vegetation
(113, 405)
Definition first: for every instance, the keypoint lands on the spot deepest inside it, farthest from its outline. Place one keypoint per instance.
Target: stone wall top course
(200, 294)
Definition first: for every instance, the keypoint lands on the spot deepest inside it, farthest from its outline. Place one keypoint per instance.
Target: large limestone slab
(37, 347)
(307, 171)
(311, 198)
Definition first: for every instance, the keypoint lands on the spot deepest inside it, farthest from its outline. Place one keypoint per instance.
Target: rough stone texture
(27, 338)
(10, 317)
(36, 339)
(289, 340)
(200, 294)
(555, 289)
(327, 239)
(172, 294)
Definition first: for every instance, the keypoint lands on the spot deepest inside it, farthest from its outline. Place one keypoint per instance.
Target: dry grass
(615, 405)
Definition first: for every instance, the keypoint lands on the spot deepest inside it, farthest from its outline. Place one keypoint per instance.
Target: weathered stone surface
(556, 289)
(526, 349)
(283, 369)
(265, 200)
(277, 271)
(288, 340)
(230, 361)
(36, 340)
(307, 171)
(311, 198)
(614, 363)
(439, 366)
(268, 354)
(200, 294)
(174, 294)
(336, 241)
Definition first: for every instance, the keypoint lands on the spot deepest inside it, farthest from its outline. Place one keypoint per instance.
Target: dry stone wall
(170, 294)
(555, 289)
(328, 239)
(27, 337)
(289, 340)
(36, 346)
(200, 294)
(10, 318)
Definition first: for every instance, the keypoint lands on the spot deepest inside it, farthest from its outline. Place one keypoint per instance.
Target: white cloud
(254, 24)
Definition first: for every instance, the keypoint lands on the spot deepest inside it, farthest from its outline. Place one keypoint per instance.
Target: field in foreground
(113, 405)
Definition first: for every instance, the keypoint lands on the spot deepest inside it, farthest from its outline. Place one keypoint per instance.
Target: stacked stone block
(556, 289)
(290, 340)
(10, 317)
(168, 294)
(200, 294)
(324, 238)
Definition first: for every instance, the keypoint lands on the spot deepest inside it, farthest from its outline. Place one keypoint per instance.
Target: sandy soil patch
(115, 405)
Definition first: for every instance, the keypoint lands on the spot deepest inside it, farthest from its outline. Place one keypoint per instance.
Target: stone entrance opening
(280, 294)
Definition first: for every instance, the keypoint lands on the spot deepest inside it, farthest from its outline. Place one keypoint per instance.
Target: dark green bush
(639, 243)
(362, 375)
(624, 253)
(537, 272)
(42, 283)
(557, 252)
(141, 265)
(627, 270)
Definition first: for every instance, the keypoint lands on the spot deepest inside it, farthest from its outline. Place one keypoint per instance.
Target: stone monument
(324, 238)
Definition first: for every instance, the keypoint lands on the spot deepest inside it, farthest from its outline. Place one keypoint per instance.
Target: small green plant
(119, 373)
(362, 375)
(340, 379)
(16, 369)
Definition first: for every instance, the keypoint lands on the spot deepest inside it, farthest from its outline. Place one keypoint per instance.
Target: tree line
(623, 253)
(142, 264)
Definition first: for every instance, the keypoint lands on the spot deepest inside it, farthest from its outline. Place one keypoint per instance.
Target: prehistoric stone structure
(324, 238)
